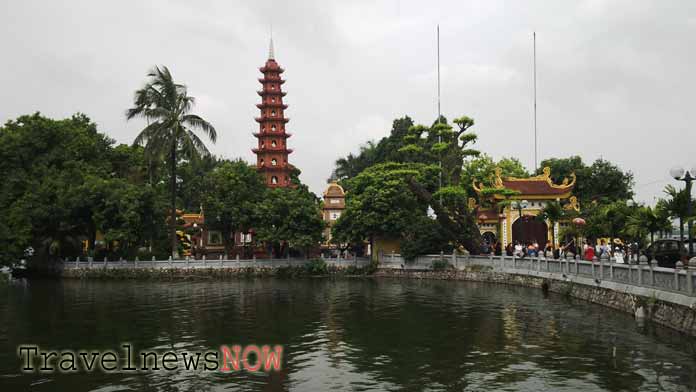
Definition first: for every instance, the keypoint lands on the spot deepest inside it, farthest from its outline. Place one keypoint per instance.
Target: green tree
(289, 218)
(231, 194)
(166, 106)
(380, 204)
(676, 205)
(603, 181)
(371, 153)
(481, 169)
(40, 209)
(552, 212)
(646, 221)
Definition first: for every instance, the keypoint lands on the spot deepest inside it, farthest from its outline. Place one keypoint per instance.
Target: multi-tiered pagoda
(272, 151)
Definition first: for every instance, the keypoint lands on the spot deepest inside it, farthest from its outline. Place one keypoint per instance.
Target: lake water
(341, 335)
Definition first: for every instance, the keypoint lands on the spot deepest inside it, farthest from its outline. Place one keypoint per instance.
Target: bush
(316, 267)
(441, 265)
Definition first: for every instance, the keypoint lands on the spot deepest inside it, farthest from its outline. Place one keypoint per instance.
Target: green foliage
(166, 106)
(289, 217)
(424, 237)
(552, 212)
(231, 193)
(316, 267)
(646, 221)
(45, 165)
(602, 182)
(388, 149)
(481, 169)
(379, 202)
(440, 265)
(676, 205)
(191, 181)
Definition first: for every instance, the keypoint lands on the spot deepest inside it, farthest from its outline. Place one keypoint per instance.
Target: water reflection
(345, 335)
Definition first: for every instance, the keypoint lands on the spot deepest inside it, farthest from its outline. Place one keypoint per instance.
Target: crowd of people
(601, 248)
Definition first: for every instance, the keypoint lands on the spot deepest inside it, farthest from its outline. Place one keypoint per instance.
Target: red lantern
(579, 222)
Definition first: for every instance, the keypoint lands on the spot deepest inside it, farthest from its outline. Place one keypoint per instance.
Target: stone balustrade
(603, 272)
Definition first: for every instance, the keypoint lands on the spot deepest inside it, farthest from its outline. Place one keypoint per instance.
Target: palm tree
(676, 205)
(169, 133)
(552, 212)
(646, 220)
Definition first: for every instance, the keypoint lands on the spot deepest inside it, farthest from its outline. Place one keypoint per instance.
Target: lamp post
(681, 174)
(520, 205)
(579, 223)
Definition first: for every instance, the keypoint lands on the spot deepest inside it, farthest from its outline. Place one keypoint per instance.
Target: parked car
(668, 252)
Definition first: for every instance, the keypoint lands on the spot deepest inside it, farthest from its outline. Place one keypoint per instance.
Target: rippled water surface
(343, 335)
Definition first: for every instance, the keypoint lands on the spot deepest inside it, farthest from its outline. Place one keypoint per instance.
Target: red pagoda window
(274, 180)
(274, 162)
(273, 143)
(273, 113)
(273, 128)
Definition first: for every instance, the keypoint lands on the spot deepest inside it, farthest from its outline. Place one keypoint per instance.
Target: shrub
(316, 267)
(441, 265)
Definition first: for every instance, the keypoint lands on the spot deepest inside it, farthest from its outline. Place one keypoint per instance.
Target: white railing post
(689, 281)
(135, 262)
(677, 267)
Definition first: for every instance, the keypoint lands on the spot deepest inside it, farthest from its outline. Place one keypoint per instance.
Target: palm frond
(196, 122)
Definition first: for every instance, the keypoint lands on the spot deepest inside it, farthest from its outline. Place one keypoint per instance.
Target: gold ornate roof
(541, 185)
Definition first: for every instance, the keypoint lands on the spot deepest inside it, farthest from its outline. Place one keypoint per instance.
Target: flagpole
(439, 113)
(536, 149)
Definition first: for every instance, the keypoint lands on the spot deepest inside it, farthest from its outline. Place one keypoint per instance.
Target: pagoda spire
(271, 52)
(272, 149)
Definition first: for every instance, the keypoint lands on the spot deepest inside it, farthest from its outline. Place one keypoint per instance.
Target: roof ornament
(271, 52)
(498, 178)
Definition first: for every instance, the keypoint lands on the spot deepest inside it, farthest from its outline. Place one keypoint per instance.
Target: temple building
(334, 204)
(271, 161)
(272, 150)
(512, 218)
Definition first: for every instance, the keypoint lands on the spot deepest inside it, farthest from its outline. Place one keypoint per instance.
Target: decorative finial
(271, 54)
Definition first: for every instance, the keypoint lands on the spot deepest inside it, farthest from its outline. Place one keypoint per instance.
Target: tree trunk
(461, 229)
(172, 217)
(681, 228)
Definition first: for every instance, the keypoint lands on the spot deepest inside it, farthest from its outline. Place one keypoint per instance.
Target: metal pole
(689, 212)
(536, 160)
(439, 113)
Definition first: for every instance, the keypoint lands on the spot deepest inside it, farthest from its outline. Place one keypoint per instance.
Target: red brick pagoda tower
(272, 152)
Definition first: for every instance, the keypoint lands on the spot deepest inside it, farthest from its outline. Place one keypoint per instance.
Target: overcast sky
(616, 79)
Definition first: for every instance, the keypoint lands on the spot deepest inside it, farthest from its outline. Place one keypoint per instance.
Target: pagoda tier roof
(271, 105)
(272, 119)
(271, 92)
(539, 186)
(275, 68)
(287, 167)
(270, 150)
(273, 134)
(264, 80)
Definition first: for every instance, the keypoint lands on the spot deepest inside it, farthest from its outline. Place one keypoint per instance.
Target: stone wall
(663, 312)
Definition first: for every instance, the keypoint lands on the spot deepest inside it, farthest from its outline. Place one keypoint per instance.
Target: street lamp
(520, 205)
(681, 174)
(579, 223)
